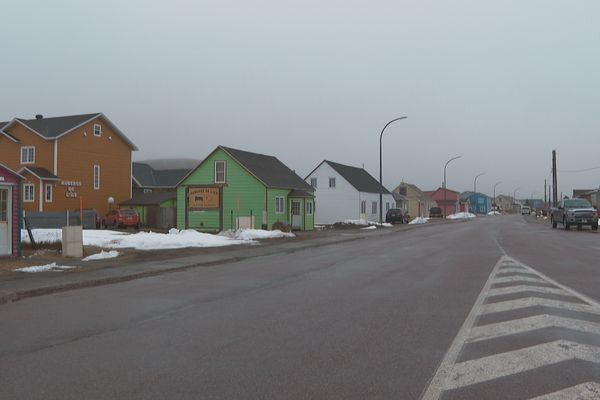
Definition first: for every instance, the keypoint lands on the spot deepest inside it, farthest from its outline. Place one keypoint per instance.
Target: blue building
(478, 203)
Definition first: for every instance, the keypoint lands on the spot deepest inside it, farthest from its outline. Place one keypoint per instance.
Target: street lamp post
(496, 184)
(381, 168)
(515, 196)
(445, 192)
(475, 182)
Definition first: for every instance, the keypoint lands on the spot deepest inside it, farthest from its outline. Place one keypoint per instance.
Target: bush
(282, 226)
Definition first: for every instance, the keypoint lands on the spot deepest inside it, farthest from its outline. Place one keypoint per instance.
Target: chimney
(39, 116)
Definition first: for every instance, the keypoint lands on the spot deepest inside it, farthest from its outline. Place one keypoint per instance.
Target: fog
(499, 83)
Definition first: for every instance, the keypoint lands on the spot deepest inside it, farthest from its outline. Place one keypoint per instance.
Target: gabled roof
(150, 199)
(2, 125)
(268, 169)
(357, 177)
(146, 176)
(11, 171)
(40, 173)
(55, 127)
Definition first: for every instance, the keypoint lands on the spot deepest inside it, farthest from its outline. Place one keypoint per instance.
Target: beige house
(418, 202)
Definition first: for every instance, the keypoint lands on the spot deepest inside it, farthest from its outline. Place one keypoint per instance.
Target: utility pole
(554, 181)
(545, 193)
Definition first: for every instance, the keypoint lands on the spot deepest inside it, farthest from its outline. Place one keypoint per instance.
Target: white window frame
(96, 177)
(309, 207)
(332, 180)
(49, 190)
(224, 163)
(32, 187)
(23, 161)
(97, 128)
(279, 205)
(363, 206)
(313, 182)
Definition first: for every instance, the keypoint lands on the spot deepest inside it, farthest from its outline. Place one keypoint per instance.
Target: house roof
(268, 169)
(150, 199)
(300, 193)
(11, 171)
(55, 127)
(146, 176)
(398, 196)
(357, 177)
(40, 173)
(421, 195)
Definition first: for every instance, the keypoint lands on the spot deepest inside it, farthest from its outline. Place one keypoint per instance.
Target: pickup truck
(578, 212)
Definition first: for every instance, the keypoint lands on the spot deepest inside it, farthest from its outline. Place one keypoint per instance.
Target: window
(387, 206)
(373, 207)
(96, 177)
(279, 208)
(29, 192)
(220, 171)
(309, 208)
(48, 193)
(331, 182)
(97, 130)
(28, 155)
(313, 182)
(3, 205)
(363, 207)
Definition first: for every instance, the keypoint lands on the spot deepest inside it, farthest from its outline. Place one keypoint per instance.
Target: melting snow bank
(461, 215)
(103, 255)
(493, 213)
(254, 234)
(175, 239)
(369, 227)
(419, 220)
(364, 222)
(42, 268)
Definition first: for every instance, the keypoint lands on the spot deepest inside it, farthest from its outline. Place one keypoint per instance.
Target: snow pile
(175, 239)
(369, 227)
(419, 220)
(103, 255)
(493, 213)
(254, 234)
(461, 215)
(42, 268)
(364, 222)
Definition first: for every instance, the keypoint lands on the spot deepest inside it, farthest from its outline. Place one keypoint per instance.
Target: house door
(5, 222)
(296, 218)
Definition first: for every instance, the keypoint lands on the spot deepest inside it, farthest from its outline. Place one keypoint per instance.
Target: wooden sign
(203, 198)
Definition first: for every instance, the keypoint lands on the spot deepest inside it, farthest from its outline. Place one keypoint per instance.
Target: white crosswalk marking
(547, 306)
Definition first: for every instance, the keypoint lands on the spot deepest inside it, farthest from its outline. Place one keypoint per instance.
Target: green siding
(310, 218)
(272, 215)
(181, 207)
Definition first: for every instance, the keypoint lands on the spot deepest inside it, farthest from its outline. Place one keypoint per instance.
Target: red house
(10, 212)
(446, 199)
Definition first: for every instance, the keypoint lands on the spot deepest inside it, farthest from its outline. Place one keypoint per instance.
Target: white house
(344, 193)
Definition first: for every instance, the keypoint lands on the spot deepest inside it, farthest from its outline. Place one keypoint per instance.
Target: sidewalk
(50, 282)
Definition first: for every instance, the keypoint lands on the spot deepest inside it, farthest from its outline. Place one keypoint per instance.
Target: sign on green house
(235, 189)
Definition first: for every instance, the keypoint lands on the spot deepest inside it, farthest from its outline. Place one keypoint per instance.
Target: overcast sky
(501, 83)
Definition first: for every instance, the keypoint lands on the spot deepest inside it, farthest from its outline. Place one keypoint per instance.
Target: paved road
(497, 307)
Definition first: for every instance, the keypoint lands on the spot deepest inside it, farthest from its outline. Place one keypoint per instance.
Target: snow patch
(103, 255)
(461, 215)
(369, 227)
(48, 267)
(254, 234)
(419, 220)
(493, 213)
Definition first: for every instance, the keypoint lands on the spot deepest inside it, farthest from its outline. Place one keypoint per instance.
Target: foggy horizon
(502, 85)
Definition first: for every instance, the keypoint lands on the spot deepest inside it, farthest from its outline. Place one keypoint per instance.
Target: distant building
(446, 199)
(149, 177)
(419, 203)
(477, 203)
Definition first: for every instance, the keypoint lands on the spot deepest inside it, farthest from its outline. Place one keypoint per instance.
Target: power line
(578, 170)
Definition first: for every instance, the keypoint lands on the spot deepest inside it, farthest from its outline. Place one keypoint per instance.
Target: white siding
(342, 202)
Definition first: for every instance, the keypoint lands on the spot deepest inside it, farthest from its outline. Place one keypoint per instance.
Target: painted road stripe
(452, 375)
(585, 391)
(524, 325)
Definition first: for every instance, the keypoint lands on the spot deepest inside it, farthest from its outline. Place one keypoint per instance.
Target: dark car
(123, 217)
(395, 216)
(574, 212)
(435, 212)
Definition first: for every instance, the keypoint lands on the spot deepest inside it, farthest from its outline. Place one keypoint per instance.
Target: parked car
(435, 212)
(577, 212)
(395, 216)
(122, 218)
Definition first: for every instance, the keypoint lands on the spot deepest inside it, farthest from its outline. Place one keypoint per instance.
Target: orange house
(66, 161)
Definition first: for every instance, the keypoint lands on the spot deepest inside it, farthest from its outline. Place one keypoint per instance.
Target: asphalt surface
(497, 307)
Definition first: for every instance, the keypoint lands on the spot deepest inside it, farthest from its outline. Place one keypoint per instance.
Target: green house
(235, 189)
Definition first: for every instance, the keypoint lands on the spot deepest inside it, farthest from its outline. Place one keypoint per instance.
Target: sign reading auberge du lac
(203, 198)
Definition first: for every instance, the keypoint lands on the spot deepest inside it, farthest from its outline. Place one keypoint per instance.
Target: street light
(380, 169)
(496, 184)
(515, 196)
(445, 199)
(475, 182)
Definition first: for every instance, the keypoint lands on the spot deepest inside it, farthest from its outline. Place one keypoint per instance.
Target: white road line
(506, 270)
(513, 305)
(438, 383)
(524, 325)
(518, 279)
(526, 288)
(518, 361)
(585, 391)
